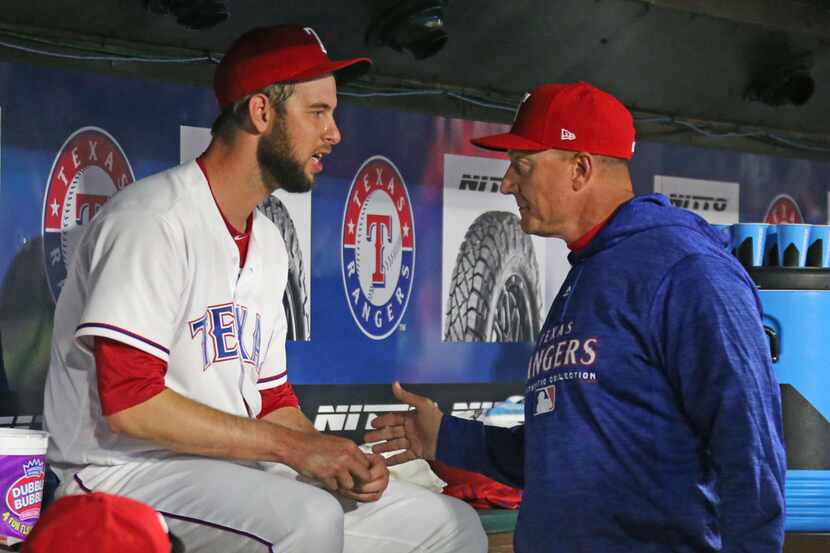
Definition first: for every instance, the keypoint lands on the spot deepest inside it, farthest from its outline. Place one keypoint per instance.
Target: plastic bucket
(799, 319)
(22, 471)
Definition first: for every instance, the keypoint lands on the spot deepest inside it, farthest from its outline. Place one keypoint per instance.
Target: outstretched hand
(415, 432)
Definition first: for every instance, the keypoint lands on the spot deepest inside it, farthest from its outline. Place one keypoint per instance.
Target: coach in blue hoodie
(652, 415)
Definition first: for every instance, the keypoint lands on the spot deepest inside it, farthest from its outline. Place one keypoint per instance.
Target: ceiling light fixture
(416, 26)
(193, 14)
(780, 76)
(790, 84)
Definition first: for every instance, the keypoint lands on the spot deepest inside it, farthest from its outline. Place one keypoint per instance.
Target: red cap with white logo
(576, 116)
(99, 522)
(278, 54)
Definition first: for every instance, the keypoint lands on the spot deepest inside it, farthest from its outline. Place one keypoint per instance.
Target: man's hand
(416, 432)
(371, 490)
(336, 462)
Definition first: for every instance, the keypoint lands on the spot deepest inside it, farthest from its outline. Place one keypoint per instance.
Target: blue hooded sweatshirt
(652, 415)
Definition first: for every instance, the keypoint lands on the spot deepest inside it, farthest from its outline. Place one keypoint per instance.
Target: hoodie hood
(643, 213)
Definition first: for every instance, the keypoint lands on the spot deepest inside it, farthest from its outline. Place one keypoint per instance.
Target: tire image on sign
(295, 299)
(494, 294)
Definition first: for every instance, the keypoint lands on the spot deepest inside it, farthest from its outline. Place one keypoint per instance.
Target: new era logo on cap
(577, 117)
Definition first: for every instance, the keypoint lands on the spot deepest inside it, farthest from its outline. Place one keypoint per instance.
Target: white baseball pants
(217, 506)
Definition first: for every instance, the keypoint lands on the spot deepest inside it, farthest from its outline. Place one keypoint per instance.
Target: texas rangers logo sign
(378, 248)
(90, 167)
(783, 209)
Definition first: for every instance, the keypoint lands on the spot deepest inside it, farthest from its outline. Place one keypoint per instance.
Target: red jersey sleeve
(277, 398)
(126, 376)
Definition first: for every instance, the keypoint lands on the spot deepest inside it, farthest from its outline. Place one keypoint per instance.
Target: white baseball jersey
(158, 270)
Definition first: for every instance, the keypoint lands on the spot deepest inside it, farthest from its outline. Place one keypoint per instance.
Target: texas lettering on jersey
(227, 333)
(558, 348)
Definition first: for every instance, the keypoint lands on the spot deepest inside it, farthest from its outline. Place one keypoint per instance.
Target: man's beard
(277, 165)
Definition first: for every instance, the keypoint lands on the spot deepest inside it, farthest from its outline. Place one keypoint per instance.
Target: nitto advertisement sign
(716, 201)
(349, 410)
(495, 278)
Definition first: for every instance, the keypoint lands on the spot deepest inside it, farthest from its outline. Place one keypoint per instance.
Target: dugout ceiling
(683, 66)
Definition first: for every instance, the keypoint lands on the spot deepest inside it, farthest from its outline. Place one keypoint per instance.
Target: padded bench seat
(498, 521)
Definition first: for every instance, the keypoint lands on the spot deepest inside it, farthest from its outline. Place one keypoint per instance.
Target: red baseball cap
(279, 54)
(98, 522)
(576, 116)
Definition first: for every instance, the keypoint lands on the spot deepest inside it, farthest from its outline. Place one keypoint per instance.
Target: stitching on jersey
(125, 332)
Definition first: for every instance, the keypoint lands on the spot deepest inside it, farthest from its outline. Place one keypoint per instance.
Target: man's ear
(582, 170)
(260, 113)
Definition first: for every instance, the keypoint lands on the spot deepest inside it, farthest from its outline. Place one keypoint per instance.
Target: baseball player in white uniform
(168, 379)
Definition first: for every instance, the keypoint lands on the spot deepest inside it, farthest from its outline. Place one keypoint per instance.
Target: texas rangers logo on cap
(89, 168)
(378, 248)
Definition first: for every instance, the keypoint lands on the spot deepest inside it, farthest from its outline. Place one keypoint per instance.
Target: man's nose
(332, 133)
